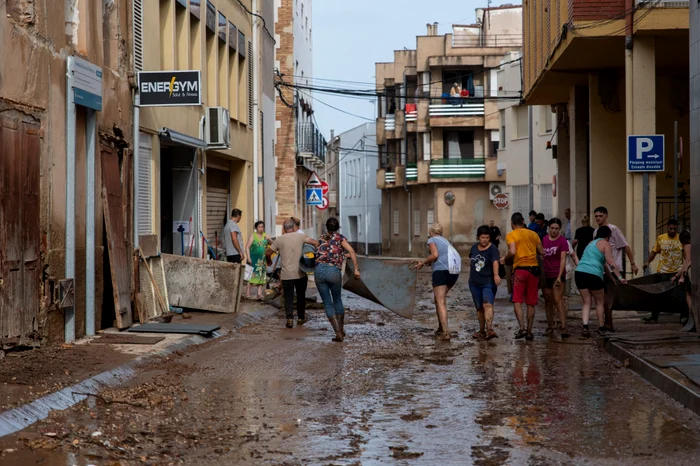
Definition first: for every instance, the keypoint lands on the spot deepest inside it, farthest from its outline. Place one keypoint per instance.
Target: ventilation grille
(138, 35)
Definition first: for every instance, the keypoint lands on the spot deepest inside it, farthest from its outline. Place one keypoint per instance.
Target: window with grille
(431, 218)
(546, 200)
(396, 222)
(520, 200)
(416, 223)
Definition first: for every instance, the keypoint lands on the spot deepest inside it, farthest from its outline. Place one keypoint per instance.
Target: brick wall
(589, 10)
(285, 148)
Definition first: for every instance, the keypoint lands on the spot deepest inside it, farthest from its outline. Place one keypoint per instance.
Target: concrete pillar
(695, 152)
(643, 110)
(578, 151)
(563, 199)
(607, 149)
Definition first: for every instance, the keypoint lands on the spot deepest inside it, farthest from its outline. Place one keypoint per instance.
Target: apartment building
(514, 148)
(438, 131)
(300, 148)
(611, 72)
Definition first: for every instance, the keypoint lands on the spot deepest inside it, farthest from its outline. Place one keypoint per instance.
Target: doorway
(178, 198)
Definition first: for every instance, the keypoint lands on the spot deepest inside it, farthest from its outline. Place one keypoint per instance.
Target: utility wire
(264, 24)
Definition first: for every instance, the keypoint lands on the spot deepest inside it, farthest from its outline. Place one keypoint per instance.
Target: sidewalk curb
(673, 387)
(16, 419)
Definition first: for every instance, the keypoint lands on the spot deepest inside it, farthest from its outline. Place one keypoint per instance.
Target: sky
(350, 36)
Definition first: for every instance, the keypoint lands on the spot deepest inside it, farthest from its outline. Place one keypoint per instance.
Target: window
(546, 200)
(145, 183)
(545, 119)
(138, 35)
(521, 203)
(521, 123)
(416, 223)
(396, 222)
(431, 218)
(458, 145)
(502, 142)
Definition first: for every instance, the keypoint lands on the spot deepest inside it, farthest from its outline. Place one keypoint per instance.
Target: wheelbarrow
(389, 283)
(653, 293)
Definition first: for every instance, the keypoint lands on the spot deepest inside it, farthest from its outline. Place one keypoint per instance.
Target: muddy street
(389, 394)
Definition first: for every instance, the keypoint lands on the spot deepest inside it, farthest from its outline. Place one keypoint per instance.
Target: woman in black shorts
(443, 280)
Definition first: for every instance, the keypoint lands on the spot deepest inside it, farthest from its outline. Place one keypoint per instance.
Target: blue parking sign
(646, 153)
(314, 196)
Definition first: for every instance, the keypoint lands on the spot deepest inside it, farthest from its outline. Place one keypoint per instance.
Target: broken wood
(153, 282)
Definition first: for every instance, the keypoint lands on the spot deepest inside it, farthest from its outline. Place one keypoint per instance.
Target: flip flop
(491, 335)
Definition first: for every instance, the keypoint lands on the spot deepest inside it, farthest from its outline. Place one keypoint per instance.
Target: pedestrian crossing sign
(314, 196)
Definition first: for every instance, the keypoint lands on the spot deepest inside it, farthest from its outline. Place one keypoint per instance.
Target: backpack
(454, 260)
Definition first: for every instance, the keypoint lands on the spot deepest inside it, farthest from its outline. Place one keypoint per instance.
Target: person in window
(392, 107)
(455, 93)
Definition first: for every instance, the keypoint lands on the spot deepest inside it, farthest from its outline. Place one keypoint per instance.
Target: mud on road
(389, 394)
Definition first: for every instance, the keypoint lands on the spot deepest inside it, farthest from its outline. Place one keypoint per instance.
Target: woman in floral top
(257, 246)
(328, 274)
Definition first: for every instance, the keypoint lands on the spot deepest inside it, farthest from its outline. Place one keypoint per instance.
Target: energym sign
(170, 88)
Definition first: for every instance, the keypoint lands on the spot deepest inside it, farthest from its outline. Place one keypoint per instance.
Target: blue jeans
(483, 294)
(329, 282)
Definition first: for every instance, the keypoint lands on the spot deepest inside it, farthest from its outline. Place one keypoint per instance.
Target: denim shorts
(483, 294)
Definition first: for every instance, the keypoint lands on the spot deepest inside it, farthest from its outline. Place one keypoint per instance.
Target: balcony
(461, 39)
(467, 112)
(411, 172)
(411, 113)
(311, 145)
(457, 109)
(389, 177)
(390, 123)
(457, 168)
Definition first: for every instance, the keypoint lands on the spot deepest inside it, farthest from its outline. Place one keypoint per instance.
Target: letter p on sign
(644, 145)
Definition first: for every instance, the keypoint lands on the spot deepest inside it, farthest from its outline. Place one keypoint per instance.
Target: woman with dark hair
(329, 277)
(484, 280)
(257, 246)
(683, 276)
(589, 277)
(556, 249)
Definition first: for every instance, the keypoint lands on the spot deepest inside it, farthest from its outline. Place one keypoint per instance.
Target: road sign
(87, 84)
(323, 206)
(646, 153)
(501, 201)
(314, 181)
(314, 196)
(170, 88)
(325, 188)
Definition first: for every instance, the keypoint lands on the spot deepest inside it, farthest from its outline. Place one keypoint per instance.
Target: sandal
(549, 331)
(520, 334)
(491, 335)
(529, 336)
(585, 333)
(480, 335)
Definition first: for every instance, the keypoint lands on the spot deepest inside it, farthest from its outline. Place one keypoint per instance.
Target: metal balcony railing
(311, 143)
(495, 40)
(457, 168)
(457, 107)
(661, 4)
(412, 172)
(390, 177)
(411, 116)
(390, 122)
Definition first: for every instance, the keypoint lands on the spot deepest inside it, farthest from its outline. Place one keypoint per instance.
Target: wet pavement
(389, 394)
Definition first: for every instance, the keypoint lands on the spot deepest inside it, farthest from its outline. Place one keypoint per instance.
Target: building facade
(359, 198)
(613, 72)
(438, 132)
(514, 148)
(300, 148)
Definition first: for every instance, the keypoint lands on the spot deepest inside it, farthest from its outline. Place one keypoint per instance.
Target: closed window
(416, 223)
(546, 199)
(431, 218)
(521, 122)
(521, 202)
(396, 222)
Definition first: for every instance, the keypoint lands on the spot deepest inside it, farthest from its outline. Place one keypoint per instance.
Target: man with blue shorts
(483, 281)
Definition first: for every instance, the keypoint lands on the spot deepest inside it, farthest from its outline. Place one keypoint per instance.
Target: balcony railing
(457, 109)
(495, 40)
(311, 143)
(390, 177)
(661, 4)
(412, 172)
(390, 122)
(457, 168)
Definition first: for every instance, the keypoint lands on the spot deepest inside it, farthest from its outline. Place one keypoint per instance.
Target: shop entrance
(178, 199)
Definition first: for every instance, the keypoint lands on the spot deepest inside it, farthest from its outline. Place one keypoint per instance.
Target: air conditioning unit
(217, 127)
(496, 188)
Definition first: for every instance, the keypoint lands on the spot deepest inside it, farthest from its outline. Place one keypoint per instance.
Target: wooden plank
(31, 258)
(119, 262)
(692, 372)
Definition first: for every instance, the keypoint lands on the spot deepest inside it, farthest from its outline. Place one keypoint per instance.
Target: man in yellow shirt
(523, 247)
(670, 251)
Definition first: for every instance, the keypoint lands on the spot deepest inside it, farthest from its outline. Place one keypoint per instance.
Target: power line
(264, 24)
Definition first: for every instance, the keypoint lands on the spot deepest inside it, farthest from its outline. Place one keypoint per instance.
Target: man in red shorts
(523, 247)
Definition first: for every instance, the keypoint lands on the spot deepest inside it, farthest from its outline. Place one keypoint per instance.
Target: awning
(182, 139)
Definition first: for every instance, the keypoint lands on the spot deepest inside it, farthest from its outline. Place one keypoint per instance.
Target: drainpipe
(91, 133)
(256, 113)
(629, 116)
(137, 124)
(69, 315)
(366, 182)
(531, 195)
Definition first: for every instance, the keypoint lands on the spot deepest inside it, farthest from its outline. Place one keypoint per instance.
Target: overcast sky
(350, 36)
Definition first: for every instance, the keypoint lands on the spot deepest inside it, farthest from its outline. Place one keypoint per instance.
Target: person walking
(670, 251)
(495, 234)
(567, 229)
(297, 226)
(683, 275)
(540, 226)
(332, 249)
(443, 280)
(619, 245)
(523, 247)
(289, 246)
(257, 247)
(556, 250)
(233, 239)
(484, 280)
(583, 236)
(590, 275)
(532, 224)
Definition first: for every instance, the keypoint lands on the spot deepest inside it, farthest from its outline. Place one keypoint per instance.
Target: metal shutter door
(217, 202)
(145, 184)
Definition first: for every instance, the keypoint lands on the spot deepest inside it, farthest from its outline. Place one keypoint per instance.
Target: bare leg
(530, 318)
(261, 291)
(247, 291)
(482, 318)
(549, 307)
(559, 303)
(519, 315)
(586, 312)
(441, 309)
(599, 306)
(488, 317)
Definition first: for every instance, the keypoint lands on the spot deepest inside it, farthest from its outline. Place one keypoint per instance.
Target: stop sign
(501, 201)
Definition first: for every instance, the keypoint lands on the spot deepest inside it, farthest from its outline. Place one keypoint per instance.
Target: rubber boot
(336, 329)
(341, 323)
